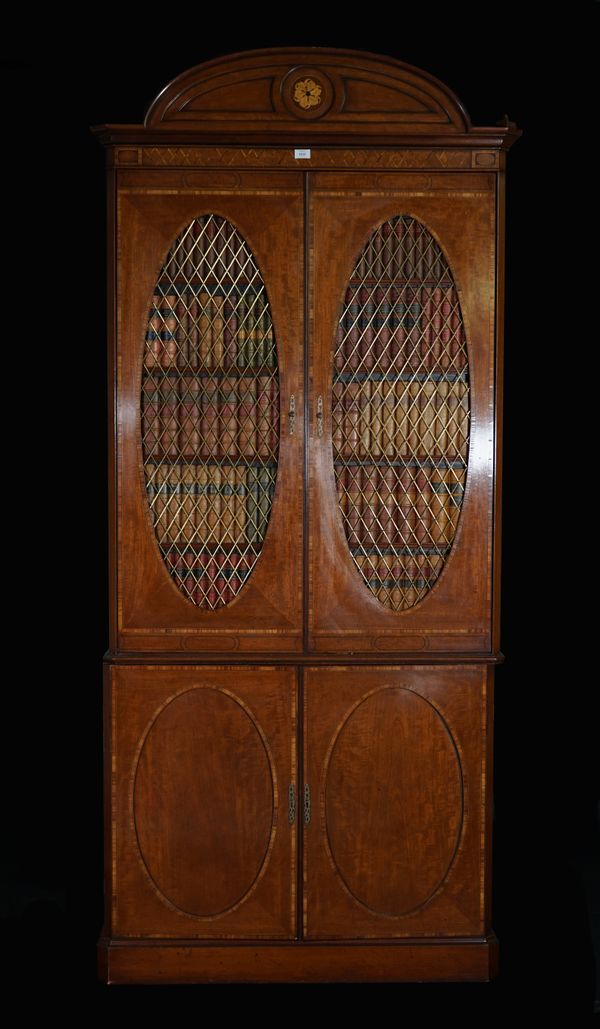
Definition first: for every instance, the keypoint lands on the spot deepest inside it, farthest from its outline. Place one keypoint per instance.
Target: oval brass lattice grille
(400, 412)
(210, 412)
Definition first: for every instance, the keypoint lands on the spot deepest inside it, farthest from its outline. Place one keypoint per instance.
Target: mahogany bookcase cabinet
(306, 320)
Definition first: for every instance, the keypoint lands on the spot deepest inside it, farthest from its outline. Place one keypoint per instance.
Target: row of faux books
(400, 582)
(221, 332)
(200, 418)
(214, 578)
(398, 419)
(194, 330)
(418, 328)
(219, 506)
(210, 578)
(399, 507)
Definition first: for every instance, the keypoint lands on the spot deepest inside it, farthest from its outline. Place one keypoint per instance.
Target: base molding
(412, 960)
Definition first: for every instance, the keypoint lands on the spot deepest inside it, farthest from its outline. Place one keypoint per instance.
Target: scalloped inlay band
(322, 158)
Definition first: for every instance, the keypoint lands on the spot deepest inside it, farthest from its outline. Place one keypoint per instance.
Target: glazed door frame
(459, 210)
(152, 209)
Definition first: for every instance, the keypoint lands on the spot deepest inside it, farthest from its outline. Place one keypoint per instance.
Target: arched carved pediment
(336, 91)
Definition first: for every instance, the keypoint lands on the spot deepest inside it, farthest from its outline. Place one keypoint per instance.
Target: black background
(545, 831)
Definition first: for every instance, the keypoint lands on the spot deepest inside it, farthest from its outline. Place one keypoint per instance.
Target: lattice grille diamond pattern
(400, 412)
(210, 412)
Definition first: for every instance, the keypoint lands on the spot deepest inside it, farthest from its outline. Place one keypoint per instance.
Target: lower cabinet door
(200, 841)
(396, 802)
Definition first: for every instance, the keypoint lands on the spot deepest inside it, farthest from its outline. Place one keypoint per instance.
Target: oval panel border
(133, 775)
(461, 828)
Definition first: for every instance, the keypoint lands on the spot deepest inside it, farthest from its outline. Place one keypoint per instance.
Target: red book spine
(182, 332)
(159, 507)
(211, 575)
(366, 328)
(396, 591)
(351, 419)
(422, 507)
(445, 332)
(234, 577)
(382, 328)
(245, 565)
(247, 417)
(387, 486)
(151, 424)
(413, 331)
(221, 585)
(395, 341)
(364, 422)
(230, 328)
(213, 515)
(368, 526)
(169, 417)
(263, 410)
(188, 503)
(174, 499)
(228, 417)
(376, 425)
(210, 421)
(203, 583)
(189, 574)
(411, 573)
(192, 332)
(189, 418)
(406, 506)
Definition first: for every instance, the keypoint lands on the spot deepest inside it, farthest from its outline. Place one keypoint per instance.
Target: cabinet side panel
(499, 402)
(488, 796)
(108, 798)
(111, 285)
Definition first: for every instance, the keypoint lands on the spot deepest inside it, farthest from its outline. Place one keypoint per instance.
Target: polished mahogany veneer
(305, 255)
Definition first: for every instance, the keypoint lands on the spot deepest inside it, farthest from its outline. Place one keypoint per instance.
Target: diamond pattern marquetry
(400, 412)
(210, 412)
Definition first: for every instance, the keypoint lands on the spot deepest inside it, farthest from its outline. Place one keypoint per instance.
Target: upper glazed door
(210, 341)
(402, 399)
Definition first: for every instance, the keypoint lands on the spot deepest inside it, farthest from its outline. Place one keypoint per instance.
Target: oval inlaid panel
(210, 412)
(393, 801)
(203, 802)
(400, 412)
